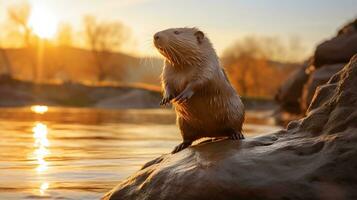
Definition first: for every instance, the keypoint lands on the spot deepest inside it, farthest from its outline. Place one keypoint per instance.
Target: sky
(224, 21)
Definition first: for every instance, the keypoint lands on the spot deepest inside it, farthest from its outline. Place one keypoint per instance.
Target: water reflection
(74, 153)
(41, 144)
(44, 186)
(39, 109)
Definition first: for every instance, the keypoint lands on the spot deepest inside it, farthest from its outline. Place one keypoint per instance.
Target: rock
(289, 94)
(295, 95)
(338, 49)
(319, 77)
(314, 158)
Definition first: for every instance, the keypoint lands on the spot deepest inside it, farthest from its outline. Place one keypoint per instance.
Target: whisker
(175, 54)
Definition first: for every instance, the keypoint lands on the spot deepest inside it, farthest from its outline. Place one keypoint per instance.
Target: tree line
(252, 67)
(101, 38)
(249, 61)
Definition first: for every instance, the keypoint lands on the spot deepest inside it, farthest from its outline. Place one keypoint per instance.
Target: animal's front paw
(166, 100)
(184, 96)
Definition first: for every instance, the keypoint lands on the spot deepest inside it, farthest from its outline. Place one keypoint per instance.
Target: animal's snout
(160, 40)
(156, 37)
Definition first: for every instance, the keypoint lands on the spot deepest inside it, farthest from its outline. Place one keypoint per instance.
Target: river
(81, 153)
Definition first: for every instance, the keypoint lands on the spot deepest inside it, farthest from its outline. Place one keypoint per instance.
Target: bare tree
(19, 15)
(251, 67)
(241, 60)
(103, 38)
(5, 62)
(65, 35)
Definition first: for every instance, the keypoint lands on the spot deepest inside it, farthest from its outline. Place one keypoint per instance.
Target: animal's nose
(156, 37)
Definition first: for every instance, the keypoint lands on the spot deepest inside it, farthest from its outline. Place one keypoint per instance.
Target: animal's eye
(176, 32)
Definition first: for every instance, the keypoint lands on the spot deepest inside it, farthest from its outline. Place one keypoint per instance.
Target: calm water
(67, 153)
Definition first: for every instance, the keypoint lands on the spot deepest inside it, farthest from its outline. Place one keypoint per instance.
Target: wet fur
(214, 109)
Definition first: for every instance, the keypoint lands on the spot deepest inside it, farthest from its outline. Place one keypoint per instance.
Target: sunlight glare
(41, 144)
(39, 109)
(43, 22)
(44, 186)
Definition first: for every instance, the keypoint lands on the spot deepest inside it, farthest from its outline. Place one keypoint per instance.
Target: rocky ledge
(313, 158)
(295, 95)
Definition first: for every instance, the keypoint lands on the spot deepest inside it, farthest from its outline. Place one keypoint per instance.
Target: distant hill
(24, 93)
(70, 64)
(78, 65)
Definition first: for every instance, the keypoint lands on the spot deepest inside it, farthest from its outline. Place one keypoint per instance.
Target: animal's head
(182, 45)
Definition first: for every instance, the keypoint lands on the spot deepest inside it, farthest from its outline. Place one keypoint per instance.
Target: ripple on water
(69, 153)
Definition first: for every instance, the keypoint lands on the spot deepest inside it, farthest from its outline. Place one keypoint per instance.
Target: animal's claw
(184, 96)
(165, 100)
(237, 136)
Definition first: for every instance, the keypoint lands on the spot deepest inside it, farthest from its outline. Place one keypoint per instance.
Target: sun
(43, 22)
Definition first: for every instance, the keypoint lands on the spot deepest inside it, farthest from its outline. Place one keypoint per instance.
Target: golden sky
(224, 21)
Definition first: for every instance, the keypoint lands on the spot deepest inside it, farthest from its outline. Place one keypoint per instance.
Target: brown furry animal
(194, 81)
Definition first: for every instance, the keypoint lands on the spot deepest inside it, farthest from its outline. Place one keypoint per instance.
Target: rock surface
(295, 95)
(319, 77)
(290, 93)
(314, 158)
(338, 49)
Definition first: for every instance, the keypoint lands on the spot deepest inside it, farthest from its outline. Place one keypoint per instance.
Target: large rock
(290, 93)
(339, 49)
(319, 77)
(294, 96)
(314, 158)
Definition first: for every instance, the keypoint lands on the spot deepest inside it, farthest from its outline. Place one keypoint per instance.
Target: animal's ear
(200, 36)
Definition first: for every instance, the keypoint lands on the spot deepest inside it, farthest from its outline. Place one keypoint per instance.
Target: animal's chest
(178, 80)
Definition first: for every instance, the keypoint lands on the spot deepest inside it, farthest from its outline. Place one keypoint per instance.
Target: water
(71, 153)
